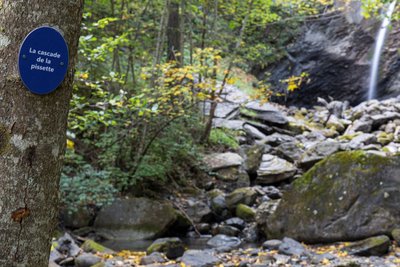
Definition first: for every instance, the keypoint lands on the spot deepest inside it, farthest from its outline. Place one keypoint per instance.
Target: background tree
(32, 133)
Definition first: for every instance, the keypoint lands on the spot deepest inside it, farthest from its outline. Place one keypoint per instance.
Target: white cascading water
(380, 41)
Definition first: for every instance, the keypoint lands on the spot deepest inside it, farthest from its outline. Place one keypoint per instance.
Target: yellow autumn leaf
(70, 144)
(84, 76)
(231, 81)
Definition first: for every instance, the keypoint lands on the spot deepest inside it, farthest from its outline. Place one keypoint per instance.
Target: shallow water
(142, 245)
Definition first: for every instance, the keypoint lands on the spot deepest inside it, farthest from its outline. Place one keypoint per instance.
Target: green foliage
(224, 137)
(86, 187)
(134, 115)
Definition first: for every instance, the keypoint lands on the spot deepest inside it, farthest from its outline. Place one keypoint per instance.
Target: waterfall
(380, 41)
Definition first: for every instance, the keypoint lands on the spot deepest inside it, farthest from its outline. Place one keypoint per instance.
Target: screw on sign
(43, 60)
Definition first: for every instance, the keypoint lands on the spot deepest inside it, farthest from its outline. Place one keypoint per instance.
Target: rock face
(135, 219)
(336, 54)
(348, 196)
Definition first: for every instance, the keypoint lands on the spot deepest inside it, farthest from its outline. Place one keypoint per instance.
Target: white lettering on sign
(43, 58)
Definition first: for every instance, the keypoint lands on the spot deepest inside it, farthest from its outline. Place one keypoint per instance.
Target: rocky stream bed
(327, 176)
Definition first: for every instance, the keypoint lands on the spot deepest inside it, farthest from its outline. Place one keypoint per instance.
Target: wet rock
(86, 260)
(172, 247)
(272, 244)
(199, 258)
(245, 212)
(291, 247)
(224, 242)
(328, 49)
(223, 160)
(245, 195)
(228, 230)
(373, 246)
(236, 222)
(274, 169)
(154, 257)
(266, 113)
(66, 245)
(347, 196)
(135, 219)
(272, 192)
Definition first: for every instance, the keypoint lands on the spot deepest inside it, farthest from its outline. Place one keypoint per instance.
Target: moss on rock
(91, 246)
(245, 212)
(343, 197)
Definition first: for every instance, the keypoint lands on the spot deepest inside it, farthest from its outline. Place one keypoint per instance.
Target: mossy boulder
(172, 247)
(135, 219)
(245, 212)
(348, 196)
(245, 195)
(93, 247)
(373, 246)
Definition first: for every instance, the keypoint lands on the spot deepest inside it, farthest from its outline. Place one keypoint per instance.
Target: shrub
(224, 137)
(87, 187)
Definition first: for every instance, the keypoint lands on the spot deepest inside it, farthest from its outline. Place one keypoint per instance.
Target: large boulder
(348, 196)
(135, 219)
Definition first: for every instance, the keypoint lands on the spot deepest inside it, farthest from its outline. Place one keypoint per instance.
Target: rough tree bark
(173, 32)
(32, 133)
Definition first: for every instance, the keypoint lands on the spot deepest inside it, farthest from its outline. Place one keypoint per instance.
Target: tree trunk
(174, 33)
(32, 133)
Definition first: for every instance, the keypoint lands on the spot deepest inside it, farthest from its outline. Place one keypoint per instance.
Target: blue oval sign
(43, 60)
